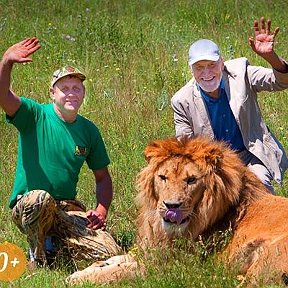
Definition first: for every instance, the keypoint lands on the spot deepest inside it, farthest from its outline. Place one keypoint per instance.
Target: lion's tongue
(174, 215)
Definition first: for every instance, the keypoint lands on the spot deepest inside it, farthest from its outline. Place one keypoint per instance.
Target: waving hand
(20, 52)
(264, 39)
(17, 53)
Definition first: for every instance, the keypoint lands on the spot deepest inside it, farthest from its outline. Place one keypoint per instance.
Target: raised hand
(264, 39)
(20, 52)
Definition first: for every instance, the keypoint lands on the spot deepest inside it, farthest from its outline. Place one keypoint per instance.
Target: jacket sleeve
(267, 79)
(183, 127)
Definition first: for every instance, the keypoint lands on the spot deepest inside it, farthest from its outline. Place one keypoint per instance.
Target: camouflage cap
(65, 71)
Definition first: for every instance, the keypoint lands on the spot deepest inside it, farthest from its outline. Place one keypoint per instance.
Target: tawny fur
(114, 269)
(211, 186)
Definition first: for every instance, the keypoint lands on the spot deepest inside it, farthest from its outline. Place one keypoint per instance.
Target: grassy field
(135, 56)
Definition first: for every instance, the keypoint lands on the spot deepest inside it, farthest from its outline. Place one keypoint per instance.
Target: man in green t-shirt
(54, 142)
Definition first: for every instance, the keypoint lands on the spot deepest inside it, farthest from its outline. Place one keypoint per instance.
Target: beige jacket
(242, 82)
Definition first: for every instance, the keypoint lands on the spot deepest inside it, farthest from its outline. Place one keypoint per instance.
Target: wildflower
(70, 38)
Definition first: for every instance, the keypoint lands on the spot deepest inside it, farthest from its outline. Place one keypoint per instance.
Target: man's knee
(33, 207)
(264, 175)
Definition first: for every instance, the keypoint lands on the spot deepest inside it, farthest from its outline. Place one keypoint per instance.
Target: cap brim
(204, 57)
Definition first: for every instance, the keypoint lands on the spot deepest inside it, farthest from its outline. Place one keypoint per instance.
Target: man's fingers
(22, 60)
(256, 27)
(268, 29)
(98, 225)
(262, 24)
(28, 41)
(276, 31)
(23, 42)
(251, 42)
(32, 45)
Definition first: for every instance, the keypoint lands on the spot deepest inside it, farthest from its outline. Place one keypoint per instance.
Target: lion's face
(186, 187)
(179, 186)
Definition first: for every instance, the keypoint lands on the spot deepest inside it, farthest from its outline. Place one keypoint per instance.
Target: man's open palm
(263, 42)
(19, 52)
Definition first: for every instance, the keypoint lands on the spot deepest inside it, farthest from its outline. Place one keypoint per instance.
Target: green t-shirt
(51, 152)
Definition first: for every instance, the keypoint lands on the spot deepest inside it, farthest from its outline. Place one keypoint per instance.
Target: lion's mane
(228, 184)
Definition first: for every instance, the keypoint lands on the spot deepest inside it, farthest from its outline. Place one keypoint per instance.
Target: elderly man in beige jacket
(220, 101)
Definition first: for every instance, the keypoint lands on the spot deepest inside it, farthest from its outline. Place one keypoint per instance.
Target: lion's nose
(172, 204)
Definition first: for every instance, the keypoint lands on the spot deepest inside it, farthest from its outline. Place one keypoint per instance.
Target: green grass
(135, 56)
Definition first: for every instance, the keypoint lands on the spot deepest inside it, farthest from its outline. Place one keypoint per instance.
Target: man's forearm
(104, 195)
(276, 62)
(5, 79)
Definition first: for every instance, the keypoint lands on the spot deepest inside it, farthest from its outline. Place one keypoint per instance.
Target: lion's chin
(174, 228)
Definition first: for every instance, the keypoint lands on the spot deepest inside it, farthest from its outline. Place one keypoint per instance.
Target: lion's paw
(113, 269)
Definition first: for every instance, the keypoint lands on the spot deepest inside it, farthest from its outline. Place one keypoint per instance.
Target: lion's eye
(191, 180)
(162, 177)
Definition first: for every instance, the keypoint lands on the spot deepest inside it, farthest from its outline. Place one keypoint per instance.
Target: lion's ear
(152, 150)
(161, 149)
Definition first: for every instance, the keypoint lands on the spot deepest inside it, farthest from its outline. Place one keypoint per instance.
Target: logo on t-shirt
(80, 150)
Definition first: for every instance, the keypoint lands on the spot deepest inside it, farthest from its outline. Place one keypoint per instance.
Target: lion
(195, 187)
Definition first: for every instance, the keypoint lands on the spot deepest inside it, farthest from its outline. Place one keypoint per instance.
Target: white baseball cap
(203, 49)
